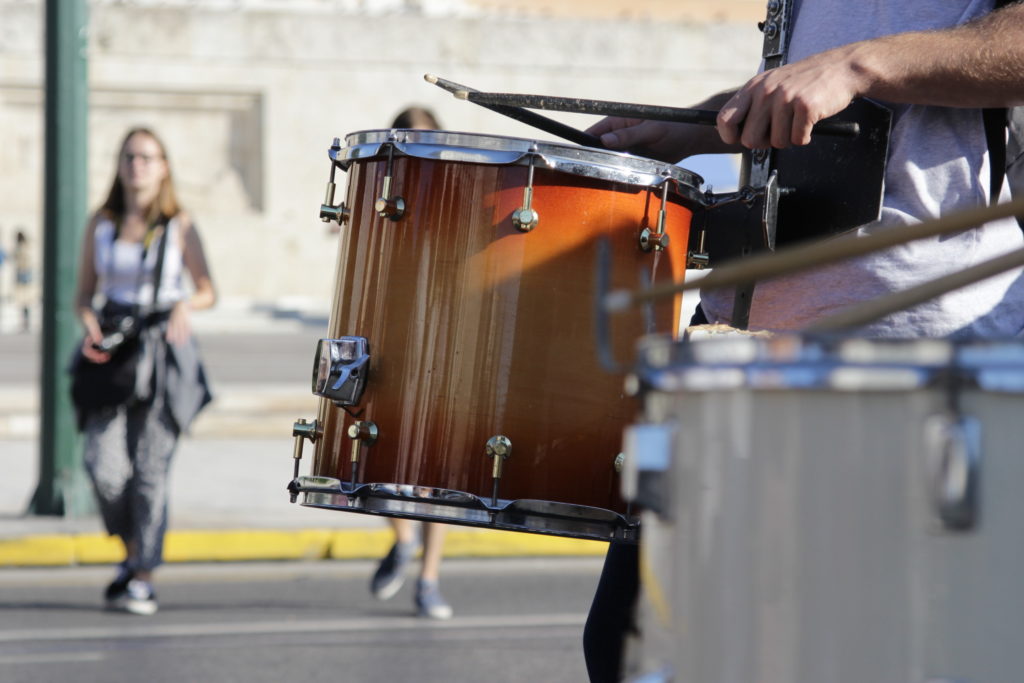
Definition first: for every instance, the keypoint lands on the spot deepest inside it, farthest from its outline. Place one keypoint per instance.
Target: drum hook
(301, 430)
(499, 448)
(526, 217)
(361, 432)
(658, 240)
(387, 206)
(329, 211)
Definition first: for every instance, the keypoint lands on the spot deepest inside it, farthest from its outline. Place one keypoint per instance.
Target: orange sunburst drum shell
(477, 329)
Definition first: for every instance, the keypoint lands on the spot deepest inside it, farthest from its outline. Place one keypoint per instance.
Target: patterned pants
(128, 454)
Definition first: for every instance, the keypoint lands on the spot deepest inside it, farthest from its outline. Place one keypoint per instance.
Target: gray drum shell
(799, 542)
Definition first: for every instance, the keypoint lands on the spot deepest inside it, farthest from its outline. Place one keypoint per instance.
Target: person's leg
(429, 601)
(611, 614)
(390, 574)
(433, 550)
(108, 464)
(153, 437)
(405, 530)
(109, 467)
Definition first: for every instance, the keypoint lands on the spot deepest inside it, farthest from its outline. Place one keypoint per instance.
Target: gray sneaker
(429, 601)
(390, 574)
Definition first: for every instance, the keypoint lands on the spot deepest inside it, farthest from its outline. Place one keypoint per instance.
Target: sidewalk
(229, 503)
(228, 495)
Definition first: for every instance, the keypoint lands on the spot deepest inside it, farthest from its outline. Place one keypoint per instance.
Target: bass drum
(830, 511)
(467, 285)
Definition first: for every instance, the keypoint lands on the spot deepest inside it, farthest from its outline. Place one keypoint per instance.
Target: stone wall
(249, 94)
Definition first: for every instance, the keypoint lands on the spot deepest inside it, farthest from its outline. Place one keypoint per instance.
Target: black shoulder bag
(104, 385)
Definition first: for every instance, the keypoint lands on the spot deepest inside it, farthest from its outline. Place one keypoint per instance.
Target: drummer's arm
(663, 140)
(978, 64)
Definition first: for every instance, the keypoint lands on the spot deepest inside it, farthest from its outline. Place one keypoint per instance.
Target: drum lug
(652, 241)
(954, 448)
(338, 213)
(525, 218)
(645, 476)
(301, 430)
(390, 207)
(362, 433)
(500, 448)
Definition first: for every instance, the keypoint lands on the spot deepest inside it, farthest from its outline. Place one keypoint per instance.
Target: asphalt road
(515, 620)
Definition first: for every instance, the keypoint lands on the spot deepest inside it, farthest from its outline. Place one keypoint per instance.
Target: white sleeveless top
(118, 267)
(938, 164)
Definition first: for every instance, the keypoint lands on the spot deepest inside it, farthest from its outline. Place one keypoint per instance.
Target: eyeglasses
(144, 158)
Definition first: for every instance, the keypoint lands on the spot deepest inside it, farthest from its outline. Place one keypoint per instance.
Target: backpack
(1004, 131)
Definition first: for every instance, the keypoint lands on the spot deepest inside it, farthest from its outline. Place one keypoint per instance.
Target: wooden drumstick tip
(430, 78)
(461, 94)
(618, 301)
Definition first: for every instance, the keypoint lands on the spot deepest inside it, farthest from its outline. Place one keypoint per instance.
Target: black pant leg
(611, 614)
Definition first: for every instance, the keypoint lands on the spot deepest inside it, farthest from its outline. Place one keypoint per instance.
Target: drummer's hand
(778, 108)
(656, 139)
(179, 326)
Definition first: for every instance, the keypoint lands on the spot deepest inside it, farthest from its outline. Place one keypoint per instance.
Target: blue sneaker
(390, 575)
(429, 601)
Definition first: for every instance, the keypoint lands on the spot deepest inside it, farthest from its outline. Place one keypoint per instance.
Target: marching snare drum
(461, 382)
(830, 511)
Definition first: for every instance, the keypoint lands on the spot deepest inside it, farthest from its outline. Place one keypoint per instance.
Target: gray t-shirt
(938, 165)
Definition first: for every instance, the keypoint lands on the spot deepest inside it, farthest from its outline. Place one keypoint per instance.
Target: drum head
(495, 149)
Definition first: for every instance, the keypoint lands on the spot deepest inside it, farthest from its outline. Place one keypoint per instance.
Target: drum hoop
(459, 507)
(793, 361)
(509, 151)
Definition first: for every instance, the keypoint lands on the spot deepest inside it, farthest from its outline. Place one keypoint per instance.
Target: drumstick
(773, 264)
(637, 111)
(524, 115)
(864, 313)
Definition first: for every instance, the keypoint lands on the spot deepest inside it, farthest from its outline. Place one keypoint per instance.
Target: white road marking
(276, 627)
(53, 658)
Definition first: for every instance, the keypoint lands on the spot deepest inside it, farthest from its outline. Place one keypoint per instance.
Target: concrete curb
(49, 550)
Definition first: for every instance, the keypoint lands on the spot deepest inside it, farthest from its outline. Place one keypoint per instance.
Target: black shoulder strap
(995, 135)
(158, 269)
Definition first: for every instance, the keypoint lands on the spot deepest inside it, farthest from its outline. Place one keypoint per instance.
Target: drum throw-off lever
(329, 211)
(361, 432)
(387, 206)
(498, 447)
(301, 430)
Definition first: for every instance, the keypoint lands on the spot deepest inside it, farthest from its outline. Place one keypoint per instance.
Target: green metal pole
(63, 487)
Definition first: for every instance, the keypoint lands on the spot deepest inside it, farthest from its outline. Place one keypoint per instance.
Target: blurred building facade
(248, 95)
